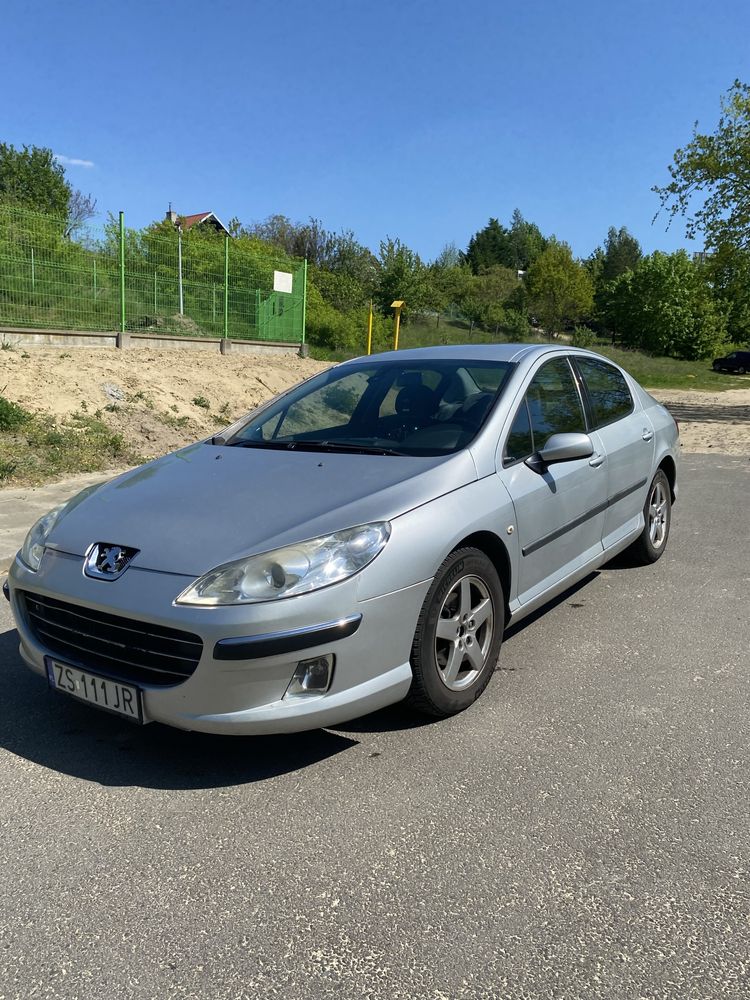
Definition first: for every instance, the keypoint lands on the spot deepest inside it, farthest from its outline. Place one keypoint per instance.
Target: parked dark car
(737, 361)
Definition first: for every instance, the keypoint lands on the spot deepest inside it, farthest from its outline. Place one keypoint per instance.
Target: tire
(657, 514)
(740, 370)
(453, 663)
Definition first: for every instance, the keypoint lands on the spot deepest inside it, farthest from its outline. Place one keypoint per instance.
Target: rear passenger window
(608, 391)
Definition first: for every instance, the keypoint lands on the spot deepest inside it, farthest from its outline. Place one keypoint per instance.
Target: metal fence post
(33, 274)
(122, 272)
(179, 268)
(304, 299)
(226, 287)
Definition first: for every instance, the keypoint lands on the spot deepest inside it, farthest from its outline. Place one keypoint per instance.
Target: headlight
(32, 549)
(295, 569)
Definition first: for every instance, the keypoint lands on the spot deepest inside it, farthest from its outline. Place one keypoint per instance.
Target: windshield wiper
(362, 449)
(309, 445)
(249, 443)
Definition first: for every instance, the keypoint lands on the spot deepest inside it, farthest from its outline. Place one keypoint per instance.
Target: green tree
(715, 170)
(560, 290)
(666, 306)
(622, 251)
(516, 247)
(402, 276)
(487, 247)
(31, 178)
(728, 272)
(524, 245)
(447, 280)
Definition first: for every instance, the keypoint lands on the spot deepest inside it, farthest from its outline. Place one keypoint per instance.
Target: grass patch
(669, 373)
(42, 448)
(172, 421)
(202, 402)
(12, 415)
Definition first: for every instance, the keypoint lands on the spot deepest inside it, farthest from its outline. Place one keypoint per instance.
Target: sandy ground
(149, 395)
(710, 421)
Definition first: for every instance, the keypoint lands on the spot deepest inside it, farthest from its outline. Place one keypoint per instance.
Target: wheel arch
(669, 468)
(492, 546)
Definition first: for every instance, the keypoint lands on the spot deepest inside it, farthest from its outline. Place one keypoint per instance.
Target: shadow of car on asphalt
(57, 732)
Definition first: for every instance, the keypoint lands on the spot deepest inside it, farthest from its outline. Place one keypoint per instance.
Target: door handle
(647, 434)
(596, 461)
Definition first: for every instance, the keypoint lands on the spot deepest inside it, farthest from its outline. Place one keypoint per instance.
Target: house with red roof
(185, 222)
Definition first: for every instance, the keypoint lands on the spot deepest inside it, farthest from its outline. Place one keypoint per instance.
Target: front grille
(123, 647)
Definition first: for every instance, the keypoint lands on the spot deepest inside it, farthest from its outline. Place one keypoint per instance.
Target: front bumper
(249, 653)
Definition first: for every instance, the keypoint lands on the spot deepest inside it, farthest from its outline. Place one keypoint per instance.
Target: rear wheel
(458, 635)
(741, 370)
(657, 514)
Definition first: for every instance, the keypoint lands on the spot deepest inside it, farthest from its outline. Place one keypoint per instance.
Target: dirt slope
(146, 395)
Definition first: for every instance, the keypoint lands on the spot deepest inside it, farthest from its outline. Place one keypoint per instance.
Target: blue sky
(419, 118)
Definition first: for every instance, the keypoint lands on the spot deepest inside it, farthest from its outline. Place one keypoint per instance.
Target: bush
(12, 416)
(515, 325)
(583, 337)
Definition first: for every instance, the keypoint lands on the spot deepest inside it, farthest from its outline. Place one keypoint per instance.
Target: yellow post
(369, 331)
(397, 306)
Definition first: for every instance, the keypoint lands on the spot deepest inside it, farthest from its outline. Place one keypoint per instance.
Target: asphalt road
(583, 831)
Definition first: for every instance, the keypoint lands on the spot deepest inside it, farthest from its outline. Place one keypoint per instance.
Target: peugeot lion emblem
(106, 561)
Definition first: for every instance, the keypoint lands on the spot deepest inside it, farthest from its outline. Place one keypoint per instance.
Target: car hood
(206, 505)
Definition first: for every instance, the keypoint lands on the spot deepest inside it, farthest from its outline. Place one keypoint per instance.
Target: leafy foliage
(516, 247)
(12, 415)
(665, 306)
(402, 275)
(716, 169)
(559, 288)
(32, 178)
(583, 336)
(728, 273)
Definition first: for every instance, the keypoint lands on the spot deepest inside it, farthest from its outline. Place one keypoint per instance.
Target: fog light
(311, 677)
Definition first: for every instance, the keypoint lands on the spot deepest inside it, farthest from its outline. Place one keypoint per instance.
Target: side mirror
(561, 448)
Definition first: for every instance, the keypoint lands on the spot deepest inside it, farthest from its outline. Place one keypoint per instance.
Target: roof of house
(186, 221)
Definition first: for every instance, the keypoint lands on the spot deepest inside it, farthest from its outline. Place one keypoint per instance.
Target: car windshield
(429, 407)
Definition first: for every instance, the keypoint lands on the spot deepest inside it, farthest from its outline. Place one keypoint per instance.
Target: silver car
(363, 538)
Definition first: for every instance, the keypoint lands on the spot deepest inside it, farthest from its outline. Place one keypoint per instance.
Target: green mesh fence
(196, 282)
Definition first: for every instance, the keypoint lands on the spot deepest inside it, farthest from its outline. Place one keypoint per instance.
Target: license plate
(112, 696)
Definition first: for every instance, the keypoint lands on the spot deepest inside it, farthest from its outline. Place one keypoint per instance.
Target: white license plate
(123, 699)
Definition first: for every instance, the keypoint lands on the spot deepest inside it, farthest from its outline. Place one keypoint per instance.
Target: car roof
(464, 352)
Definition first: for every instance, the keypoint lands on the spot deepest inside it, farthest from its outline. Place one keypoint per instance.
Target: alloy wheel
(464, 632)
(657, 514)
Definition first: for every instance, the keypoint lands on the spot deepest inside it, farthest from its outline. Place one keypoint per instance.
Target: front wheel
(458, 635)
(657, 514)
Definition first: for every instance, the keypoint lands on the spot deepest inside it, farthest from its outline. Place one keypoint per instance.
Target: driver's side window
(552, 405)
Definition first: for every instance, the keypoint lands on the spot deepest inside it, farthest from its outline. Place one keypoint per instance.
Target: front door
(560, 512)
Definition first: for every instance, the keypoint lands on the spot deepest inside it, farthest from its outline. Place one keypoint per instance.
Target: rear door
(627, 440)
(560, 512)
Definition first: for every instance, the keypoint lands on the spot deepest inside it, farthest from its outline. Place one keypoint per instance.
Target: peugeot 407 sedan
(363, 538)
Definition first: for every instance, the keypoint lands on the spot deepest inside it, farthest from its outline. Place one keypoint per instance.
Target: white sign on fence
(282, 281)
